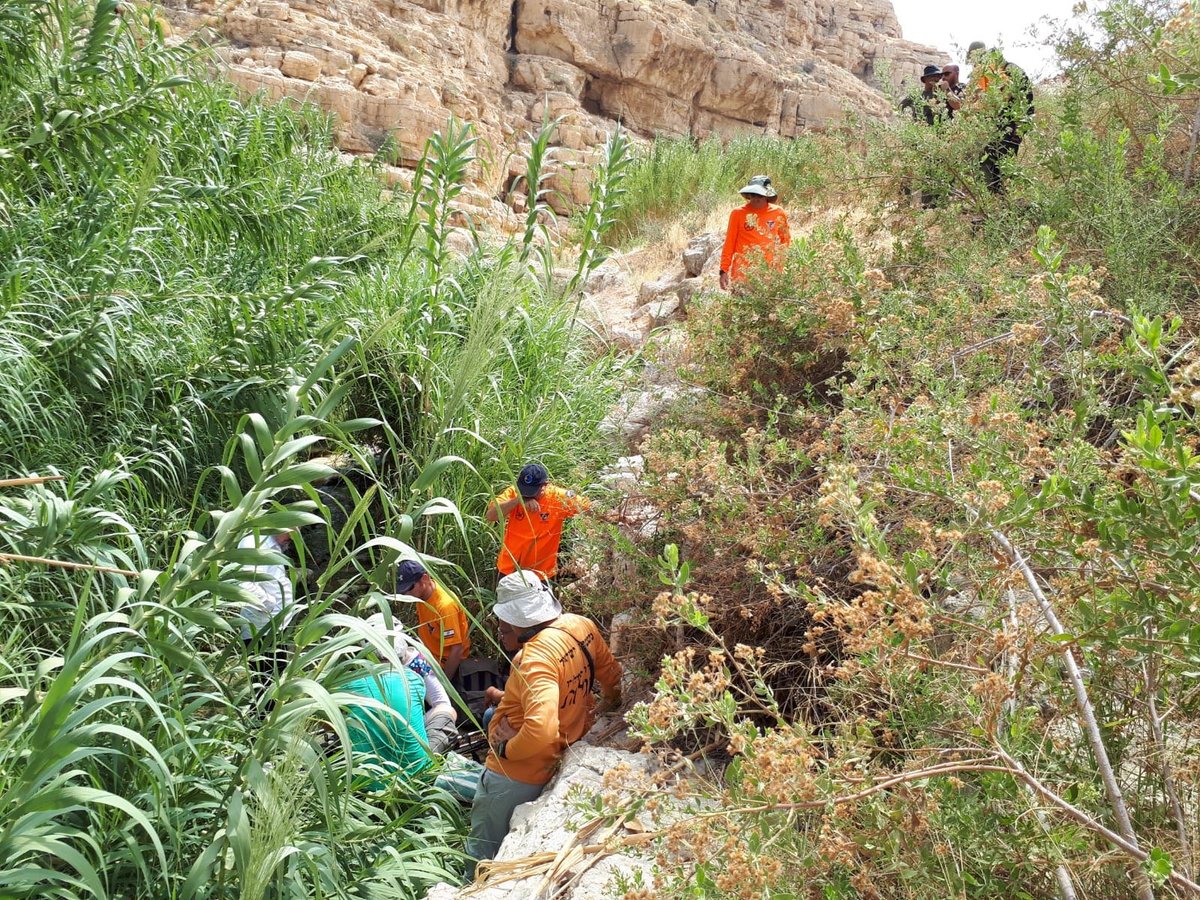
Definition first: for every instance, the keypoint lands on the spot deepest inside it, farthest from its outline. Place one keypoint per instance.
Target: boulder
(632, 418)
(687, 289)
(605, 277)
(625, 474)
(395, 176)
(298, 64)
(274, 9)
(549, 824)
(966, 604)
(652, 290)
(460, 242)
(539, 74)
(661, 312)
(698, 252)
(631, 336)
(619, 630)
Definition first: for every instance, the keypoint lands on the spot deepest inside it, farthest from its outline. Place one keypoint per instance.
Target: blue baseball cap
(531, 480)
(408, 573)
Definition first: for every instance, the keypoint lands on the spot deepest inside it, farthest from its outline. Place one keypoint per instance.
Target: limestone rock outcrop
(548, 824)
(397, 69)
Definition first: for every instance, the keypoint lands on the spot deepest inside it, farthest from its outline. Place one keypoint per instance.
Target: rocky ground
(546, 853)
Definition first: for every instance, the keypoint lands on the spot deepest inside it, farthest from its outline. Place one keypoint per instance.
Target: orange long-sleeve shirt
(752, 235)
(548, 699)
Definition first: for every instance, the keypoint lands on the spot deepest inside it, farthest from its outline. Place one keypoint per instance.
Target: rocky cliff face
(400, 67)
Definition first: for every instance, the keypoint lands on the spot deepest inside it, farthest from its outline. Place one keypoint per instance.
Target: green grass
(682, 180)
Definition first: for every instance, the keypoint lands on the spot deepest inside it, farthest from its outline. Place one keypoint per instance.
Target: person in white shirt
(273, 602)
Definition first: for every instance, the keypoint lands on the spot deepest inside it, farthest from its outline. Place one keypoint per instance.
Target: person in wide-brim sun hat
(545, 707)
(756, 232)
(759, 186)
(523, 600)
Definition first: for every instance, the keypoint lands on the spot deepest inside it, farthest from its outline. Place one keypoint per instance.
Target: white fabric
(435, 691)
(411, 655)
(272, 597)
(522, 600)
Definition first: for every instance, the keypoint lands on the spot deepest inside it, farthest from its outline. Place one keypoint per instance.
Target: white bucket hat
(522, 600)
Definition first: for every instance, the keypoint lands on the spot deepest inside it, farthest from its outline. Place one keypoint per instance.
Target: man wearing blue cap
(534, 512)
(441, 621)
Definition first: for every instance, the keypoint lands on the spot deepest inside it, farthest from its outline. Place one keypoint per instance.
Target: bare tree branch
(63, 564)
(1086, 713)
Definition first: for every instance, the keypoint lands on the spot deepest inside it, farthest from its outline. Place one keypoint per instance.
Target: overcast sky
(952, 24)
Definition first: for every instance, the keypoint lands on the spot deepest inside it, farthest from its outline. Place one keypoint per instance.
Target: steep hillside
(896, 543)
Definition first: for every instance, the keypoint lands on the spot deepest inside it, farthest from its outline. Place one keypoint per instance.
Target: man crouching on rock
(546, 706)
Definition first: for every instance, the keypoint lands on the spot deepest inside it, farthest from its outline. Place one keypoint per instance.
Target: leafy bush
(936, 501)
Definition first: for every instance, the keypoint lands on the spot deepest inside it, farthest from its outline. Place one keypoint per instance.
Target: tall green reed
(158, 294)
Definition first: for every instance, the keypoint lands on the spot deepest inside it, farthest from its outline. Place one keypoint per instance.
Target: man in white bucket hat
(546, 706)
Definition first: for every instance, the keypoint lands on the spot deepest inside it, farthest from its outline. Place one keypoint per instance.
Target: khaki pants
(441, 730)
(495, 799)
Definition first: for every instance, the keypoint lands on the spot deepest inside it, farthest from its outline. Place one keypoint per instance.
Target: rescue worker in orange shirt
(756, 232)
(546, 706)
(441, 621)
(535, 512)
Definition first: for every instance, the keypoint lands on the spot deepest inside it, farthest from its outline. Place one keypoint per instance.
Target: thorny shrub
(849, 621)
(843, 576)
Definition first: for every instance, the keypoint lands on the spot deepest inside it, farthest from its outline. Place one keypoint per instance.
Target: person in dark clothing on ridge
(953, 90)
(928, 104)
(1004, 92)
